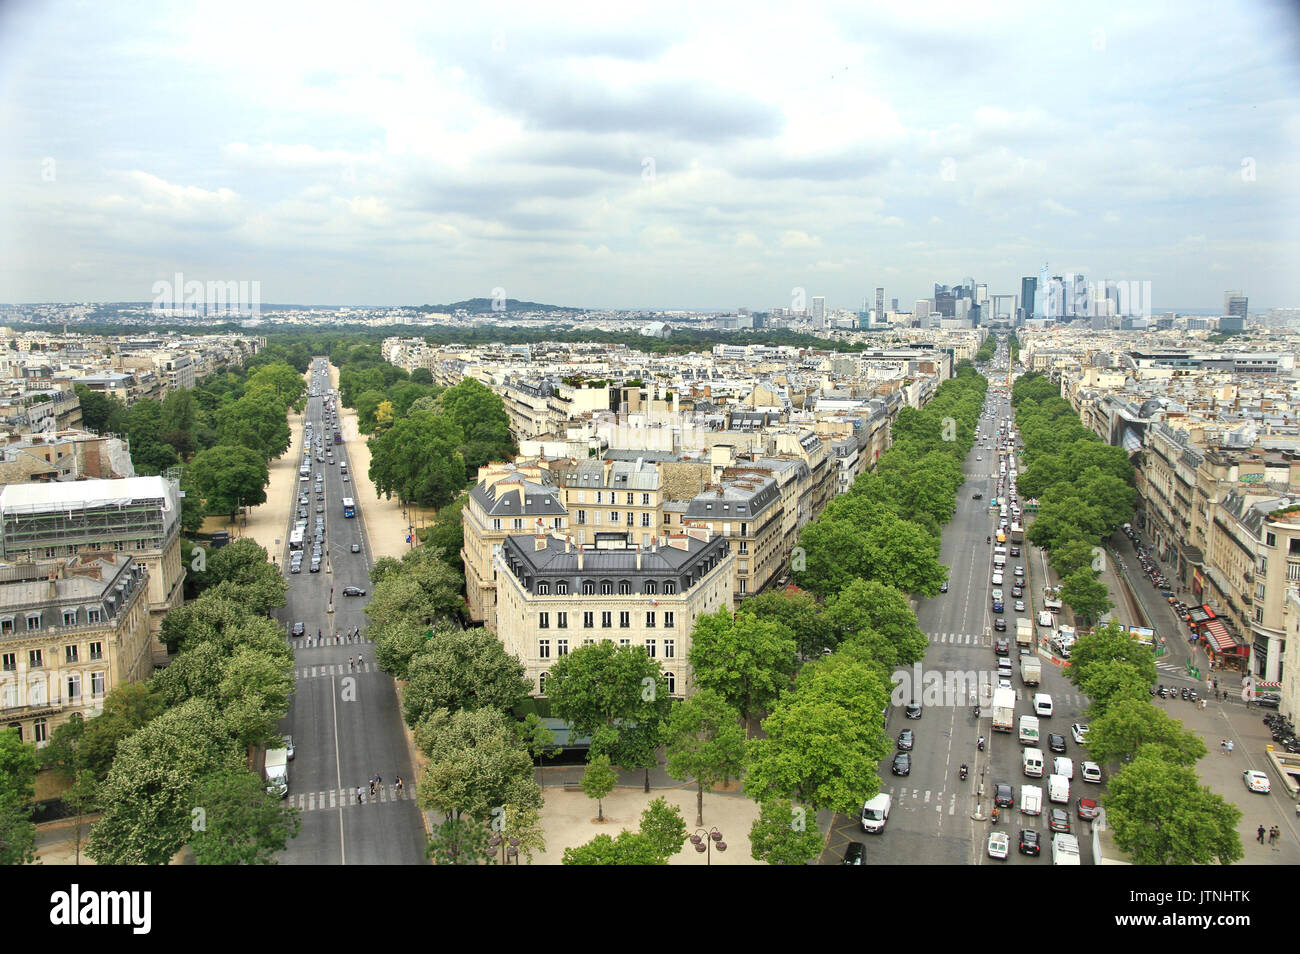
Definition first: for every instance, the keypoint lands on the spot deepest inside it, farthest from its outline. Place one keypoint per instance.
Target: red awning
(1217, 633)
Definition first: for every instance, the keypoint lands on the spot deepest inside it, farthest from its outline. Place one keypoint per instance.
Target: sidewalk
(269, 522)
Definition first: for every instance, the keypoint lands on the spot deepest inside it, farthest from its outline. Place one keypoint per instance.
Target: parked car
(1080, 732)
(1091, 772)
(943, 587)
(288, 745)
(854, 854)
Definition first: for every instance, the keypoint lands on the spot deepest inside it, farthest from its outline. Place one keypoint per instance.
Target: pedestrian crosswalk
(338, 669)
(344, 797)
(327, 644)
(960, 639)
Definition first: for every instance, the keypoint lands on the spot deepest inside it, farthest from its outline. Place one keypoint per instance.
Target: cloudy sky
(647, 155)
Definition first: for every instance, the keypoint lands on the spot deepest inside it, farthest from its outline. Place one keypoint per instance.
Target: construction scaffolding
(28, 530)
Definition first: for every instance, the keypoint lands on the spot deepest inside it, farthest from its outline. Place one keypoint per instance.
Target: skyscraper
(893, 304)
(819, 312)
(1234, 304)
(1028, 289)
(880, 303)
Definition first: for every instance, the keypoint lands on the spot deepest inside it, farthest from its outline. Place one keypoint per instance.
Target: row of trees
(1085, 489)
(1155, 805)
(167, 763)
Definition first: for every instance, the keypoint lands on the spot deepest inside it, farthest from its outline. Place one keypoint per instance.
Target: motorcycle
(963, 771)
(994, 816)
(980, 743)
(977, 712)
(1183, 694)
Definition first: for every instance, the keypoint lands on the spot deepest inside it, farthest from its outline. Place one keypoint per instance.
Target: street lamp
(509, 848)
(703, 841)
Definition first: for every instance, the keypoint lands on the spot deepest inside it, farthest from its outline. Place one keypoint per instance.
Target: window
(744, 586)
(541, 684)
(744, 546)
(650, 619)
(651, 588)
(1270, 539)
(96, 650)
(607, 619)
(543, 620)
(97, 685)
(36, 692)
(7, 624)
(562, 588)
(631, 498)
(74, 687)
(650, 648)
(561, 647)
(744, 529)
(672, 682)
(1259, 614)
(9, 662)
(543, 589)
(669, 587)
(624, 588)
(33, 621)
(582, 516)
(561, 620)
(35, 659)
(70, 653)
(670, 620)
(625, 642)
(645, 500)
(624, 620)
(70, 617)
(670, 647)
(600, 496)
(517, 523)
(588, 620)
(93, 615)
(588, 588)
(496, 523)
(606, 588)
(613, 516)
(588, 642)
(543, 649)
(645, 519)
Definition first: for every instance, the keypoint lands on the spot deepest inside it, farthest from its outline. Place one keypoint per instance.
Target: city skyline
(682, 161)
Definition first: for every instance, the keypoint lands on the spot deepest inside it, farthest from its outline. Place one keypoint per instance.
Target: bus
(349, 507)
(338, 437)
(295, 539)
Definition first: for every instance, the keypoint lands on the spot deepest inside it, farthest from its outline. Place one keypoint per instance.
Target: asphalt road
(930, 822)
(344, 718)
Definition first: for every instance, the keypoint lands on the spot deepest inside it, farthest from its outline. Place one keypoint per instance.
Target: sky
(648, 155)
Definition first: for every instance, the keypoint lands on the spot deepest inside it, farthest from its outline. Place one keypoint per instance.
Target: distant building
(1028, 292)
(656, 329)
(819, 312)
(1234, 304)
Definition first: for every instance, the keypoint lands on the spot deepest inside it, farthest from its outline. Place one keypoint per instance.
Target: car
(999, 844)
(1002, 647)
(1091, 772)
(905, 740)
(1086, 808)
(913, 710)
(1055, 742)
(999, 606)
(299, 628)
(1255, 781)
(1020, 571)
(1003, 796)
(1015, 551)
(353, 591)
(1268, 700)
(1058, 819)
(854, 854)
(345, 479)
(1080, 732)
(1020, 606)
(1000, 625)
(979, 457)
(1029, 842)
(902, 764)
(943, 587)
(295, 567)
(315, 566)
(1042, 705)
(1017, 589)
(320, 508)
(288, 744)
(977, 496)
(302, 511)
(356, 548)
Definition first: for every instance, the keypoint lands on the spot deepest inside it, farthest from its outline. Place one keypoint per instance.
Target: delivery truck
(1004, 710)
(1017, 533)
(1031, 671)
(276, 772)
(1024, 633)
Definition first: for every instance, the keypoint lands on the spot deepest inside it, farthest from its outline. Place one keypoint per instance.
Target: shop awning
(1218, 634)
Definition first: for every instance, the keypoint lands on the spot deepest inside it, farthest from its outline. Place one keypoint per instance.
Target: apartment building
(63, 455)
(139, 516)
(555, 596)
(71, 630)
(744, 510)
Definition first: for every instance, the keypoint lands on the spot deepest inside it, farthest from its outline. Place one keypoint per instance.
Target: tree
(1161, 815)
(459, 841)
(424, 590)
(447, 531)
(705, 740)
(127, 708)
(230, 477)
(1106, 682)
(418, 460)
(279, 379)
(1085, 594)
(629, 848)
(476, 764)
(598, 780)
(1130, 725)
(878, 617)
(781, 835)
(422, 376)
(1110, 643)
(18, 764)
(63, 756)
(256, 421)
(798, 612)
(241, 824)
(462, 669)
(400, 641)
(101, 413)
(245, 565)
(616, 695)
(662, 824)
(748, 661)
(524, 825)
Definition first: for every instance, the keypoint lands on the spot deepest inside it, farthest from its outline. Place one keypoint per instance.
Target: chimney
(638, 556)
(539, 542)
(579, 557)
(568, 544)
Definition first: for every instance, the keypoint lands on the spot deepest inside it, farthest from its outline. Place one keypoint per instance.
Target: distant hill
(483, 306)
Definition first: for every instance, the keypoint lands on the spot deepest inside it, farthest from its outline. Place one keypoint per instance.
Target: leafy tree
(424, 590)
(256, 421)
(63, 756)
(798, 612)
(18, 764)
(476, 764)
(242, 824)
(101, 412)
(382, 567)
(1072, 555)
(244, 564)
(1085, 594)
(1110, 643)
(462, 669)
(662, 824)
(705, 740)
(523, 825)
(230, 477)
(629, 848)
(422, 376)
(878, 617)
(447, 531)
(1129, 725)
(281, 380)
(748, 661)
(1108, 681)
(598, 780)
(400, 641)
(127, 708)
(616, 695)
(148, 795)
(780, 835)
(418, 460)
(459, 841)
(1161, 815)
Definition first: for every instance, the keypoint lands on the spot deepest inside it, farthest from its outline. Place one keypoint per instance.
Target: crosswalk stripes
(338, 669)
(333, 798)
(962, 639)
(302, 644)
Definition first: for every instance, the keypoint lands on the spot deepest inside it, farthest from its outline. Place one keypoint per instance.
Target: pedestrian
(372, 788)
(1223, 746)
(318, 635)
(1272, 835)
(398, 785)
(349, 664)
(360, 800)
(358, 662)
(1259, 835)
(1230, 744)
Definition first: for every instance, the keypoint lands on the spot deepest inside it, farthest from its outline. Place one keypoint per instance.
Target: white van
(1029, 731)
(1058, 789)
(1045, 619)
(876, 812)
(1063, 767)
(1042, 705)
(1031, 800)
(1031, 761)
(997, 579)
(1065, 849)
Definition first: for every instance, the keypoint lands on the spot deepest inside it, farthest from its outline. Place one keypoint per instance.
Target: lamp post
(509, 848)
(704, 839)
